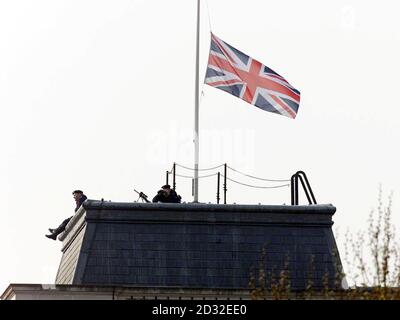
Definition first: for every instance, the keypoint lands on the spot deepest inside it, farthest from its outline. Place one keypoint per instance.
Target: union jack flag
(236, 73)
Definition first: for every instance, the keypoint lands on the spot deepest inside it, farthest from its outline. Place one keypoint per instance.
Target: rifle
(142, 196)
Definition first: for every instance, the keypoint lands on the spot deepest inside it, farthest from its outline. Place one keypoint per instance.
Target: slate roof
(197, 245)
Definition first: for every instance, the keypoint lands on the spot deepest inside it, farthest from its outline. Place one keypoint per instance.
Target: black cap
(166, 186)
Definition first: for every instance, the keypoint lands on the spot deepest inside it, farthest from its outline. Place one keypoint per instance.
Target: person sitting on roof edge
(166, 194)
(79, 198)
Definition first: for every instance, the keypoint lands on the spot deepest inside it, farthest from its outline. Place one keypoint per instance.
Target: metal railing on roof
(294, 181)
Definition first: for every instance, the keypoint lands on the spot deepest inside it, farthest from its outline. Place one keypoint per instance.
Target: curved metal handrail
(294, 183)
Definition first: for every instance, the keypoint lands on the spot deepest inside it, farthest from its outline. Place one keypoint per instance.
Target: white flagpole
(196, 112)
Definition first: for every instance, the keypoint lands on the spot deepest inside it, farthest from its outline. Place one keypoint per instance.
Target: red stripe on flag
(287, 109)
(223, 82)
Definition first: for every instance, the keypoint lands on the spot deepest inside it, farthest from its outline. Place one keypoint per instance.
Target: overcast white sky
(99, 95)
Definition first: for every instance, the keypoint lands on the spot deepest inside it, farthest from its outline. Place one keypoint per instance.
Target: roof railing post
(173, 176)
(225, 189)
(218, 186)
(292, 189)
(296, 186)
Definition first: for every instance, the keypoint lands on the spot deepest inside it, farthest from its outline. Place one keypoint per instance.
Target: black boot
(52, 236)
(51, 230)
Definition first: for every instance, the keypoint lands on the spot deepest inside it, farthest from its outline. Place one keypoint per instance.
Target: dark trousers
(62, 226)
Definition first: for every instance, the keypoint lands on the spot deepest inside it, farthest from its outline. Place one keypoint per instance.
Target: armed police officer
(168, 195)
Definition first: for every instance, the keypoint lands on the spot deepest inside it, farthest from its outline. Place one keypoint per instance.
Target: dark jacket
(79, 202)
(172, 198)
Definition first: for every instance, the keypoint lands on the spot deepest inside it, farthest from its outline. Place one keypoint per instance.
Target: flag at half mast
(244, 77)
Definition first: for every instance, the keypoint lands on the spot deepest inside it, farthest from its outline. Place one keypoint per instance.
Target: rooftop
(204, 246)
